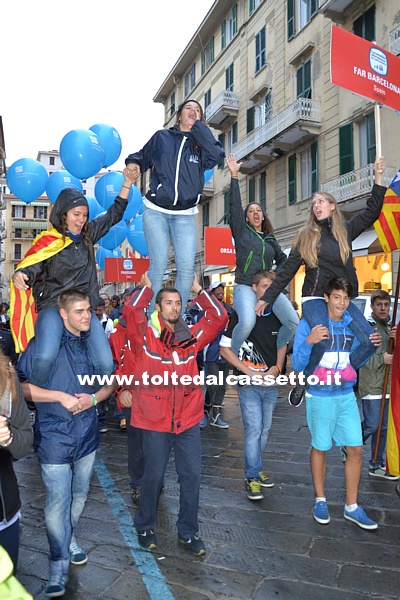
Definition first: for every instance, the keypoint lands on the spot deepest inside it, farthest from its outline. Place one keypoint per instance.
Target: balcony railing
(303, 109)
(356, 183)
(226, 103)
(394, 40)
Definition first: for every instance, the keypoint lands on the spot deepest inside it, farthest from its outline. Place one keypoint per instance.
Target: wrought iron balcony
(356, 183)
(394, 40)
(287, 127)
(225, 106)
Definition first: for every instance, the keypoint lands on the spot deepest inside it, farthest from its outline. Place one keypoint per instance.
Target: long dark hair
(266, 225)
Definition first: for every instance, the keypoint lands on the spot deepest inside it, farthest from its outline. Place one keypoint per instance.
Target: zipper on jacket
(178, 164)
(248, 261)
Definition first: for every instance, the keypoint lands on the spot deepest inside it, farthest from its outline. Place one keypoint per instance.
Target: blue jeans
(257, 403)
(67, 486)
(157, 448)
(48, 332)
(370, 424)
(244, 301)
(135, 450)
(315, 313)
(159, 228)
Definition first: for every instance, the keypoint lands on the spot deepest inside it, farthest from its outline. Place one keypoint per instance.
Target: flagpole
(387, 370)
(378, 143)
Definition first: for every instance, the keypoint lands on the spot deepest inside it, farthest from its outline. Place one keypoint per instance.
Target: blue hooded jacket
(61, 437)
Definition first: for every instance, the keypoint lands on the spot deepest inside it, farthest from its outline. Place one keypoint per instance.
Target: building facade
(261, 70)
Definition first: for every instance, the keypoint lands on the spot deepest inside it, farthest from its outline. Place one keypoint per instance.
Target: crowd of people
(153, 335)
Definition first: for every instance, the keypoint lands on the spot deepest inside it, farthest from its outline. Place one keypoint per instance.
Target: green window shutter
(212, 50)
(234, 132)
(346, 152)
(223, 35)
(371, 142)
(307, 80)
(250, 119)
(314, 7)
(314, 167)
(292, 179)
(290, 19)
(203, 62)
(227, 212)
(252, 190)
(221, 139)
(263, 190)
(251, 6)
(234, 20)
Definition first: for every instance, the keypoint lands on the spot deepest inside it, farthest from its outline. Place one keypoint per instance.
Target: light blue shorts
(333, 418)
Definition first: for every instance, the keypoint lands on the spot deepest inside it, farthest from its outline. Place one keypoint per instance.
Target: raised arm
(212, 151)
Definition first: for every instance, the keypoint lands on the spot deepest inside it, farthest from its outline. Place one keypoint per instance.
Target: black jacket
(252, 251)
(329, 261)
(74, 266)
(10, 502)
(177, 160)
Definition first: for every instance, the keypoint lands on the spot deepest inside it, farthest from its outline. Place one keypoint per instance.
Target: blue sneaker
(321, 513)
(55, 586)
(359, 517)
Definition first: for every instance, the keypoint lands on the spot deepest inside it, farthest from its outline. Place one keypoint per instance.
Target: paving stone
(368, 553)
(297, 590)
(377, 581)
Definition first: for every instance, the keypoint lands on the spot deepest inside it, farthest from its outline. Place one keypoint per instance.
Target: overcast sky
(72, 64)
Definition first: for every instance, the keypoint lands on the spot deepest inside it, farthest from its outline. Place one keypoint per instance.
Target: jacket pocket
(152, 407)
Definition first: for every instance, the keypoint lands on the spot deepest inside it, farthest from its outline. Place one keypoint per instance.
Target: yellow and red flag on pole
(393, 431)
(22, 303)
(387, 226)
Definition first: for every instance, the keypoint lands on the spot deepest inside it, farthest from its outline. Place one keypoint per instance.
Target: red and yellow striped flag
(387, 226)
(22, 304)
(393, 432)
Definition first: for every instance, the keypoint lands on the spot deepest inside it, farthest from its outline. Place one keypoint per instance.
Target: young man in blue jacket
(332, 411)
(66, 434)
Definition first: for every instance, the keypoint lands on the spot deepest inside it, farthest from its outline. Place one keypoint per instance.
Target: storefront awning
(215, 270)
(362, 243)
(42, 225)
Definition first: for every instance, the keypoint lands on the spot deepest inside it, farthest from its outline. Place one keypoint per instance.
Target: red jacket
(168, 406)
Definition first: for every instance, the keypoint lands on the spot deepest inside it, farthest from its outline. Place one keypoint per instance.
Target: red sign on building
(364, 68)
(219, 246)
(125, 269)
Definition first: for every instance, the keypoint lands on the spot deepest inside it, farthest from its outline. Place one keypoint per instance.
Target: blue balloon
(103, 253)
(111, 141)
(134, 202)
(108, 187)
(82, 153)
(208, 174)
(27, 179)
(94, 207)
(136, 237)
(59, 180)
(115, 236)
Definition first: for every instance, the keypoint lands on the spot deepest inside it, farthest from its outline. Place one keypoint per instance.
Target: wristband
(127, 187)
(279, 369)
(94, 400)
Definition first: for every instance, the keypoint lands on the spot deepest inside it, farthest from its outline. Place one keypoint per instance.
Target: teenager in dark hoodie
(177, 158)
(62, 258)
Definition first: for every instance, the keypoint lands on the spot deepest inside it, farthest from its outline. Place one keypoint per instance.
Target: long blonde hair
(7, 375)
(308, 238)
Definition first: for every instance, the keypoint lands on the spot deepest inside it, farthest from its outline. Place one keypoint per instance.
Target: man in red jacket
(167, 400)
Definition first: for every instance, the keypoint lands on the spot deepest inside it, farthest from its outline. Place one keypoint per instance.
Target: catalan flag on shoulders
(393, 432)
(387, 226)
(22, 304)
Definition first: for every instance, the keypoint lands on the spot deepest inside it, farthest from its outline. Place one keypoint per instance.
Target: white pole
(378, 142)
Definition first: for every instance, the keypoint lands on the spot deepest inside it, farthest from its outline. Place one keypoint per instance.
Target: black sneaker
(147, 539)
(296, 395)
(194, 544)
(253, 487)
